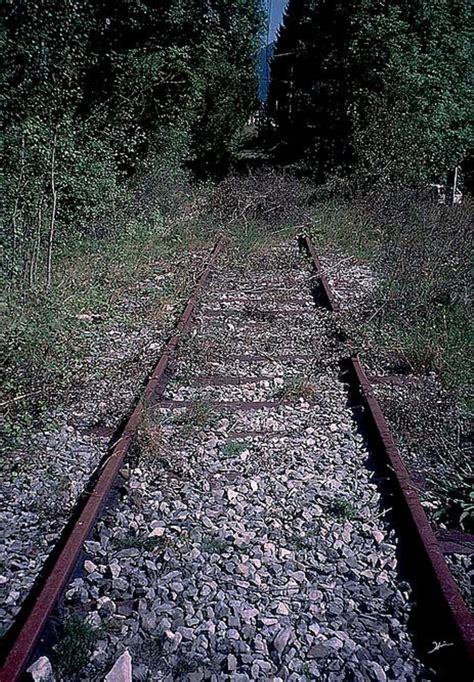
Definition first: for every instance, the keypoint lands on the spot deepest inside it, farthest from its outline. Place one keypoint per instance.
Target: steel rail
(442, 578)
(53, 585)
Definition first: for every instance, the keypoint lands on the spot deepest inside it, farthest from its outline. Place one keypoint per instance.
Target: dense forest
(99, 93)
(374, 87)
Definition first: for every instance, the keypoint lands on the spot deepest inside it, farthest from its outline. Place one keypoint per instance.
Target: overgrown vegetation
(49, 334)
(379, 90)
(342, 508)
(457, 493)
(417, 319)
(104, 103)
(233, 448)
(419, 313)
(296, 388)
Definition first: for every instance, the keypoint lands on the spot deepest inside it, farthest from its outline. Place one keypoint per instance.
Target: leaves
(377, 88)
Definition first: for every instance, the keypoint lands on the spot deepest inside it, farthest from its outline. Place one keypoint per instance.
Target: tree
(97, 89)
(377, 87)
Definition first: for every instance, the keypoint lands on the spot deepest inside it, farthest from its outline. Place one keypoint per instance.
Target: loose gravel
(43, 478)
(250, 542)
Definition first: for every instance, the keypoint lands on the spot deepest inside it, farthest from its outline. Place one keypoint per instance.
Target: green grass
(47, 335)
(198, 414)
(72, 652)
(214, 545)
(344, 228)
(457, 496)
(341, 508)
(296, 388)
(233, 449)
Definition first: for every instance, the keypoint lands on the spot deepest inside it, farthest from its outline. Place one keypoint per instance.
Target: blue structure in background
(274, 10)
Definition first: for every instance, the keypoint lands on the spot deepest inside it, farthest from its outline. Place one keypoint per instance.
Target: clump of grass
(197, 414)
(457, 495)
(148, 436)
(296, 388)
(214, 545)
(233, 448)
(342, 508)
(72, 653)
(141, 542)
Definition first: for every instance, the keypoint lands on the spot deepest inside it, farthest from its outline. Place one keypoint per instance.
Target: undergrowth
(48, 334)
(72, 652)
(418, 318)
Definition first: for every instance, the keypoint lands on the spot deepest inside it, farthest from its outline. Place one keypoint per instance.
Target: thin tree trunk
(15, 235)
(35, 251)
(49, 270)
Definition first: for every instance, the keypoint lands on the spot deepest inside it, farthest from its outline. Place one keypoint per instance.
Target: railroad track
(256, 411)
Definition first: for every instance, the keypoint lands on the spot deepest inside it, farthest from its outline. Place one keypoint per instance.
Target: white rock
(122, 669)
(115, 570)
(378, 536)
(157, 532)
(41, 670)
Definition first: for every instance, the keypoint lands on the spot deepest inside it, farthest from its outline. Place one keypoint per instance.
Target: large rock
(41, 670)
(122, 669)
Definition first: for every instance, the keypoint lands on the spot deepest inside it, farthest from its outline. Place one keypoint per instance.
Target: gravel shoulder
(46, 473)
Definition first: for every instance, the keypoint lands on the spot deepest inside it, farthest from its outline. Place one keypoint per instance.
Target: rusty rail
(50, 591)
(441, 576)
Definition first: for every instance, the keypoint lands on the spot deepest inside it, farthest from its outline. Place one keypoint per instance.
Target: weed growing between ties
(72, 653)
(342, 509)
(197, 415)
(215, 545)
(143, 542)
(296, 388)
(233, 448)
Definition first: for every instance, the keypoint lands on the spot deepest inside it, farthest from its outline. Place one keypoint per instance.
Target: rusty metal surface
(462, 619)
(307, 244)
(461, 616)
(50, 591)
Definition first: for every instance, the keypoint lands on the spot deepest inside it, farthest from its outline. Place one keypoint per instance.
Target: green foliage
(233, 449)
(296, 388)
(73, 650)
(341, 508)
(46, 335)
(97, 94)
(457, 493)
(377, 88)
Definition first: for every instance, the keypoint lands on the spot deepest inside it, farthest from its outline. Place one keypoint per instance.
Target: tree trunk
(49, 270)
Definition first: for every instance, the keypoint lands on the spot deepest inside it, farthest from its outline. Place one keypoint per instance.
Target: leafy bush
(99, 96)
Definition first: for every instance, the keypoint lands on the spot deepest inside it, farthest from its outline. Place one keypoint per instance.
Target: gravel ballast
(250, 542)
(44, 476)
